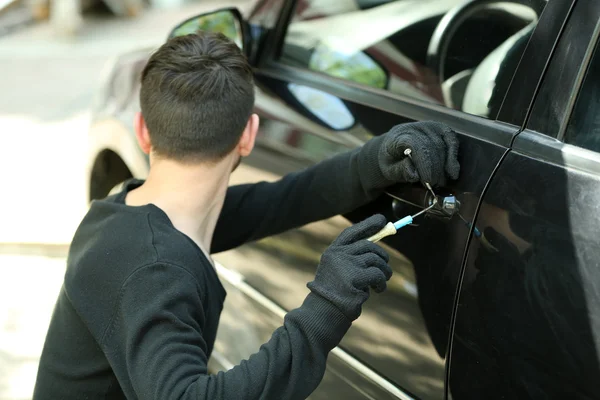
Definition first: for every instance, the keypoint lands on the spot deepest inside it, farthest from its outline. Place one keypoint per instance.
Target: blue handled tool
(392, 227)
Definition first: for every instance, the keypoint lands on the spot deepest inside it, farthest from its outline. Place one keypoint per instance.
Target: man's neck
(191, 195)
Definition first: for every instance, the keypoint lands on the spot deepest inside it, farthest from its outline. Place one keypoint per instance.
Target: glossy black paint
(525, 321)
(401, 336)
(556, 97)
(436, 285)
(519, 99)
(379, 102)
(584, 122)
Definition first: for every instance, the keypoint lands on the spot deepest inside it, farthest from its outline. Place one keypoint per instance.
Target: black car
(496, 290)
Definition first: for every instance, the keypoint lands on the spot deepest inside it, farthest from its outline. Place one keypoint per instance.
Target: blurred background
(49, 74)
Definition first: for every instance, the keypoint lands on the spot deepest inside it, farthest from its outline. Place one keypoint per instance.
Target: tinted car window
(584, 127)
(457, 53)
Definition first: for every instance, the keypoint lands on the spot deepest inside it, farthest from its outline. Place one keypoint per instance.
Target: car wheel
(109, 172)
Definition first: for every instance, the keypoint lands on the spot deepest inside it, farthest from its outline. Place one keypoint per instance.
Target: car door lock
(445, 207)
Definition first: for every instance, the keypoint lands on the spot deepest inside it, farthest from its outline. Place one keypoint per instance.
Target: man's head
(196, 98)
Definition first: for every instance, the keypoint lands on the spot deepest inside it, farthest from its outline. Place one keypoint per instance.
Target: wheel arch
(114, 157)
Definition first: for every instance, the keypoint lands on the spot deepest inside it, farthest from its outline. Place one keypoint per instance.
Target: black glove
(434, 150)
(352, 265)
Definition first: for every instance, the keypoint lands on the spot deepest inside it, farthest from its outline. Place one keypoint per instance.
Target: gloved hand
(434, 149)
(352, 265)
(434, 153)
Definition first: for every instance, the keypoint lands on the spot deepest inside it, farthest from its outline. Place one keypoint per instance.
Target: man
(138, 312)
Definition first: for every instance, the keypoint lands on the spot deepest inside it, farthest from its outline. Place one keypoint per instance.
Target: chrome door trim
(237, 280)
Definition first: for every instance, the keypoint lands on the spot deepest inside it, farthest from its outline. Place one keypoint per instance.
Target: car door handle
(447, 204)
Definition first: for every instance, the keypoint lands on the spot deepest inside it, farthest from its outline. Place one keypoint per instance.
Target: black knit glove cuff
(371, 176)
(322, 320)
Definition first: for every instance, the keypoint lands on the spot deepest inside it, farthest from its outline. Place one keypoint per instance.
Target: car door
(528, 319)
(329, 76)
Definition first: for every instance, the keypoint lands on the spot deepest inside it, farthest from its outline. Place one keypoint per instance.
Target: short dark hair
(196, 97)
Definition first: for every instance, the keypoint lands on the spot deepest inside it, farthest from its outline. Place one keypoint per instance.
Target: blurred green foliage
(221, 21)
(357, 67)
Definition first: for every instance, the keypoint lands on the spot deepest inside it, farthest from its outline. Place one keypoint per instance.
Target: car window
(584, 126)
(265, 12)
(457, 53)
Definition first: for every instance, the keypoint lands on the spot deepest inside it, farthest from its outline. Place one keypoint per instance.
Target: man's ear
(248, 136)
(141, 133)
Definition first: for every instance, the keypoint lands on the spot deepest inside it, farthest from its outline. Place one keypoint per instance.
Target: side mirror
(227, 21)
(327, 108)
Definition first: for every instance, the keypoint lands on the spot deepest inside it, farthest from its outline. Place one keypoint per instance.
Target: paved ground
(28, 289)
(46, 86)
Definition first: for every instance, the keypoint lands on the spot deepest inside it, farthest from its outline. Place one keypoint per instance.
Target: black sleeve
(334, 186)
(155, 342)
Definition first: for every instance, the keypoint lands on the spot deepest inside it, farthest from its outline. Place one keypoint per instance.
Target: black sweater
(138, 312)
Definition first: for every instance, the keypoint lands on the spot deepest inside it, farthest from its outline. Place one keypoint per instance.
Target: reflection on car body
(509, 310)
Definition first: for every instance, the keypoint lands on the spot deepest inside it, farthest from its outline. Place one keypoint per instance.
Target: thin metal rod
(428, 186)
(426, 209)
(393, 196)
(408, 153)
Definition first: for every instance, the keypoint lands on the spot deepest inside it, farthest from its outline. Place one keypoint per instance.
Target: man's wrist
(322, 320)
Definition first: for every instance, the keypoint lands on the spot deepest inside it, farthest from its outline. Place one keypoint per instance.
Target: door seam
(462, 273)
(483, 193)
(542, 75)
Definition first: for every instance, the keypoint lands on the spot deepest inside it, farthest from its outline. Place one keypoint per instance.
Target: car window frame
(593, 50)
(540, 145)
(539, 49)
(535, 62)
(593, 61)
(570, 63)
